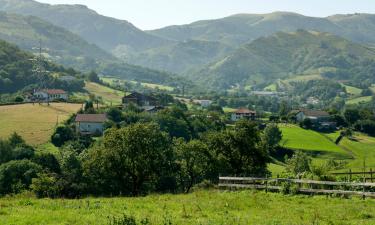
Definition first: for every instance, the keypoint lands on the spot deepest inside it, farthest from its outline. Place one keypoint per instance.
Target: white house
(50, 95)
(90, 124)
(243, 114)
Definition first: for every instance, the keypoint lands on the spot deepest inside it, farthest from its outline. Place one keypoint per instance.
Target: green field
(353, 90)
(359, 100)
(295, 137)
(35, 123)
(110, 80)
(304, 78)
(201, 207)
(354, 151)
(108, 95)
(363, 149)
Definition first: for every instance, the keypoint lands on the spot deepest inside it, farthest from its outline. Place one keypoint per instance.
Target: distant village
(93, 124)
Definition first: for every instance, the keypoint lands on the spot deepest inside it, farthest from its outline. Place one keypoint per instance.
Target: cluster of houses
(93, 124)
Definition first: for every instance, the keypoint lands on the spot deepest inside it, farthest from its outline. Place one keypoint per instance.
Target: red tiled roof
(244, 111)
(54, 91)
(93, 118)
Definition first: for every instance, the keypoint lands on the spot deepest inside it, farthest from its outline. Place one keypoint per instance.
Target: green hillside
(107, 33)
(180, 56)
(16, 72)
(59, 45)
(242, 28)
(286, 54)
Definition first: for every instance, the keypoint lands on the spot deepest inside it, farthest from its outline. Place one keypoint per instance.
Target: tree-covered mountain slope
(59, 45)
(17, 72)
(182, 56)
(242, 28)
(108, 33)
(289, 54)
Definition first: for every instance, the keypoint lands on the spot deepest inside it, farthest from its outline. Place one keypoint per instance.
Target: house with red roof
(50, 95)
(243, 113)
(90, 124)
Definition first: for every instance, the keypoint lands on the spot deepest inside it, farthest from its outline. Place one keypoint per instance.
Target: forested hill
(107, 33)
(242, 28)
(291, 54)
(16, 72)
(59, 45)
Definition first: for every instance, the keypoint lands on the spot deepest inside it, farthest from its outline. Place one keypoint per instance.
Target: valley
(252, 118)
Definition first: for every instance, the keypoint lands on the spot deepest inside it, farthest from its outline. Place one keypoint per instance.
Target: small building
(152, 109)
(139, 99)
(312, 101)
(316, 116)
(203, 103)
(243, 113)
(67, 78)
(90, 124)
(50, 95)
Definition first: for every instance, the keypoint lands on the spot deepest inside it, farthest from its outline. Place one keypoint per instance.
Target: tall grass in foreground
(201, 207)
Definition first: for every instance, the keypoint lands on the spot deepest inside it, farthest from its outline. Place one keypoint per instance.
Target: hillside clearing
(359, 100)
(297, 138)
(35, 123)
(110, 81)
(202, 207)
(108, 95)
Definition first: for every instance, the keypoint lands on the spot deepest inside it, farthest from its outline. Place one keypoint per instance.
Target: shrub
(16, 176)
(62, 135)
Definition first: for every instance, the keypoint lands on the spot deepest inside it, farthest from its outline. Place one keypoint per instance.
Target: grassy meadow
(35, 123)
(107, 94)
(359, 100)
(297, 138)
(110, 80)
(200, 207)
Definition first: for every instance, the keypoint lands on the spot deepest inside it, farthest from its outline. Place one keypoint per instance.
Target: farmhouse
(203, 103)
(139, 99)
(50, 95)
(316, 116)
(90, 124)
(243, 113)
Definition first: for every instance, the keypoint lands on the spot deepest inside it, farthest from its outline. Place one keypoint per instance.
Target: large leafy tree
(272, 136)
(239, 151)
(133, 155)
(193, 161)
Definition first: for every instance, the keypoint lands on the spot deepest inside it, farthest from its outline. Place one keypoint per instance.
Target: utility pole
(38, 66)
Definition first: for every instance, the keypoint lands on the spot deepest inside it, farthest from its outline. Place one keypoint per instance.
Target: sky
(152, 14)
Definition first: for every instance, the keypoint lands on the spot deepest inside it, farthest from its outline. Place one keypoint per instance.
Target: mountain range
(218, 53)
(291, 54)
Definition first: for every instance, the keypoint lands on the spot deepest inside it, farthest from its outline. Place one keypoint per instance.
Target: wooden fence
(363, 175)
(303, 186)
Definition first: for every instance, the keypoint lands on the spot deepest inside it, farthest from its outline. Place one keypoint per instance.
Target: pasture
(297, 138)
(108, 95)
(35, 123)
(200, 207)
(359, 100)
(117, 81)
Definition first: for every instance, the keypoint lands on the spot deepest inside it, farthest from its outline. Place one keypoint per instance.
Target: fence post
(266, 183)
(350, 175)
(371, 175)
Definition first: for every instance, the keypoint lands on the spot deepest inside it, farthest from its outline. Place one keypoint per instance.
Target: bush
(16, 176)
(62, 135)
(18, 99)
(48, 162)
(45, 186)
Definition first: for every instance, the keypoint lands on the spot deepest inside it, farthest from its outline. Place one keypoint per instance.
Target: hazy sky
(151, 14)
